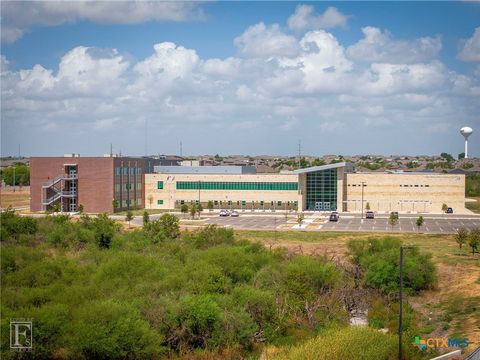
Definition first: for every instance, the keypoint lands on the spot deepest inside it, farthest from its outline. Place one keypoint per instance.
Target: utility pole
(181, 150)
(299, 152)
(14, 167)
(400, 315)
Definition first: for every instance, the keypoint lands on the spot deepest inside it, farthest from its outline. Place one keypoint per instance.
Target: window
(182, 202)
(244, 202)
(279, 203)
(277, 186)
(160, 185)
(261, 203)
(117, 171)
(215, 202)
(139, 201)
(159, 202)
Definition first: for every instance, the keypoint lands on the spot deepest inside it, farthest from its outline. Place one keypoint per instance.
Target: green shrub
(379, 260)
(12, 225)
(349, 343)
(111, 330)
(164, 228)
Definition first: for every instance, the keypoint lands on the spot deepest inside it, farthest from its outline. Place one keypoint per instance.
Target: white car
(224, 213)
(234, 213)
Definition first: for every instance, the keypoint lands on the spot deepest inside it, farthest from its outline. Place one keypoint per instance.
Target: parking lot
(406, 224)
(434, 224)
(249, 222)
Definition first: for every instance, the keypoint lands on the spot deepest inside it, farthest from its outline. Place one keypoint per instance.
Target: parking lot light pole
(400, 315)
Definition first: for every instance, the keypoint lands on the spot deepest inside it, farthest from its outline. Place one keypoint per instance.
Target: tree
(444, 207)
(199, 209)
(367, 206)
(146, 218)
(393, 220)
(184, 208)
(193, 211)
(318, 162)
(474, 240)
(210, 205)
(80, 208)
(57, 207)
(461, 156)
(447, 157)
(300, 218)
(115, 204)
(166, 227)
(150, 200)
(129, 217)
(420, 221)
(461, 237)
(22, 174)
(104, 229)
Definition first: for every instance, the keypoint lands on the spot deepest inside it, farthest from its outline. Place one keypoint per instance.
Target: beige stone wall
(172, 197)
(404, 192)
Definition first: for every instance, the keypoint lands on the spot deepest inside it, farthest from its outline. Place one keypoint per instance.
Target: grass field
(450, 309)
(474, 206)
(15, 199)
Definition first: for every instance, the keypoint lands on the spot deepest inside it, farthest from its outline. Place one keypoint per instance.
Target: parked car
(334, 216)
(234, 213)
(369, 215)
(449, 211)
(224, 212)
(394, 214)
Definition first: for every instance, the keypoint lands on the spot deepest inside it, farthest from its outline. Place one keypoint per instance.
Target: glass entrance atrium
(322, 190)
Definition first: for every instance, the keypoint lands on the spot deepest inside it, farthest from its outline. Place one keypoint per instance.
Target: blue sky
(240, 77)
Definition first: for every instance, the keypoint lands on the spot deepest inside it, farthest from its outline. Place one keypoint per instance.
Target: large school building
(108, 184)
(321, 188)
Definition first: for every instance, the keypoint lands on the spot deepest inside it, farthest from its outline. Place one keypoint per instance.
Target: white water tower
(466, 132)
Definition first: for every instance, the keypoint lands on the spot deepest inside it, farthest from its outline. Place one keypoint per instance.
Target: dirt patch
(454, 282)
(18, 198)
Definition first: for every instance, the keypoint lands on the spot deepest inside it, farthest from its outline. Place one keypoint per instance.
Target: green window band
(212, 185)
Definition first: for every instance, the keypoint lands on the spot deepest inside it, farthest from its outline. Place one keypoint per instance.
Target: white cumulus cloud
(264, 41)
(471, 48)
(378, 46)
(19, 16)
(304, 18)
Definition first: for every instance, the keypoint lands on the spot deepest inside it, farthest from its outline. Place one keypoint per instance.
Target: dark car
(333, 217)
(369, 215)
(449, 211)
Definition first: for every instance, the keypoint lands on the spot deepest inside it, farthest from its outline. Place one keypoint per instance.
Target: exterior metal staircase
(58, 193)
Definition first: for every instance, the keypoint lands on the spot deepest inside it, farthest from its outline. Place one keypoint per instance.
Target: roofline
(320, 168)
